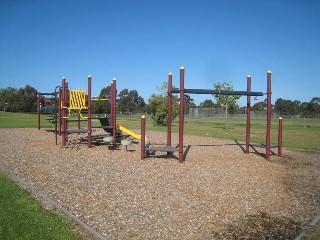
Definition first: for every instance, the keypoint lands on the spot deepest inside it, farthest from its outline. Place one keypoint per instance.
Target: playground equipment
(169, 149)
(76, 101)
(52, 120)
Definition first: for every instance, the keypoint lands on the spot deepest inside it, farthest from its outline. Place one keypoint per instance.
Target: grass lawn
(22, 217)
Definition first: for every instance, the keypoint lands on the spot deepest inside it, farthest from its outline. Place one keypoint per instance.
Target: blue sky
(140, 42)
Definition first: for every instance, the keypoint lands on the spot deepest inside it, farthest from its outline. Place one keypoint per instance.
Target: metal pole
(143, 137)
(111, 105)
(114, 111)
(268, 115)
(248, 114)
(56, 114)
(60, 112)
(66, 111)
(39, 109)
(280, 137)
(181, 117)
(63, 102)
(89, 113)
(169, 110)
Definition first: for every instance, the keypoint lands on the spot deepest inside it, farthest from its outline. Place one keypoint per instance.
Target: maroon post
(60, 104)
(181, 117)
(111, 104)
(248, 114)
(114, 122)
(143, 137)
(39, 109)
(280, 137)
(268, 115)
(63, 105)
(89, 113)
(66, 112)
(169, 110)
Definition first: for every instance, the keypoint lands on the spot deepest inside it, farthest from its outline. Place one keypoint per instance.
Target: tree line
(130, 102)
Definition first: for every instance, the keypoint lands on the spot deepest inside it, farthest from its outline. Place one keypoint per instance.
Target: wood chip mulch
(219, 192)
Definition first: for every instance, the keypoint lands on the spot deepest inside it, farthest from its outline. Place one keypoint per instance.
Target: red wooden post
(248, 114)
(280, 137)
(181, 117)
(268, 115)
(39, 109)
(89, 113)
(143, 137)
(169, 110)
(114, 122)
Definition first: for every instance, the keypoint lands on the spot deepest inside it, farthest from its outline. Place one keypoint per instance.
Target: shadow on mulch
(260, 226)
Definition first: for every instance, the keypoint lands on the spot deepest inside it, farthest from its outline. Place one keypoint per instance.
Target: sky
(139, 42)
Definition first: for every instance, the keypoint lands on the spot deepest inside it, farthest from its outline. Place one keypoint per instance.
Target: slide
(127, 131)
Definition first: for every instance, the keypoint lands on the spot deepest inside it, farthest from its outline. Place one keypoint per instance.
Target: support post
(114, 122)
(268, 115)
(111, 105)
(248, 114)
(169, 110)
(60, 112)
(280, 137)
(89, 114)
(181, 117)
(63, 111)
(39, 109)
(143, 137)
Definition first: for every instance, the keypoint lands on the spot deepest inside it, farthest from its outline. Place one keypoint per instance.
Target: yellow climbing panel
(77, 102)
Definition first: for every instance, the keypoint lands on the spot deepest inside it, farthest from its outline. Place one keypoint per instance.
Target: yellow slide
(127, 131)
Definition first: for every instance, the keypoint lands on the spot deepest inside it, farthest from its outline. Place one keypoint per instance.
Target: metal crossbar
(222, 92)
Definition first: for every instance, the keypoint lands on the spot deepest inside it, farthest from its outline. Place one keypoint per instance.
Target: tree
(8, 98)
(287, 107)
(158, 106)
(188, 103)
(208, 103)
(225, 100)
(259, 106)
(26, 99)
(102, 106)
(130, 101)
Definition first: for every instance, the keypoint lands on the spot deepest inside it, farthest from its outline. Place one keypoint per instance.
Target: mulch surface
(219, 192)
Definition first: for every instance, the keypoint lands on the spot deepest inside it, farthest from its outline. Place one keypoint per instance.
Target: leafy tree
(8, 98)
(287, 107)
(208, 103)
(188, 103)
(26, 99)
(259, 106)
(225, 100)
(313, 107)
(102, 106)
(130, 101)
(158, 106)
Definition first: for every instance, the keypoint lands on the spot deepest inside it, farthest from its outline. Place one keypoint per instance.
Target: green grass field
(297, 133)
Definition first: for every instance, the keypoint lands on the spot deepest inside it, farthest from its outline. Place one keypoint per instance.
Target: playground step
(161, 149)
(77, 131)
